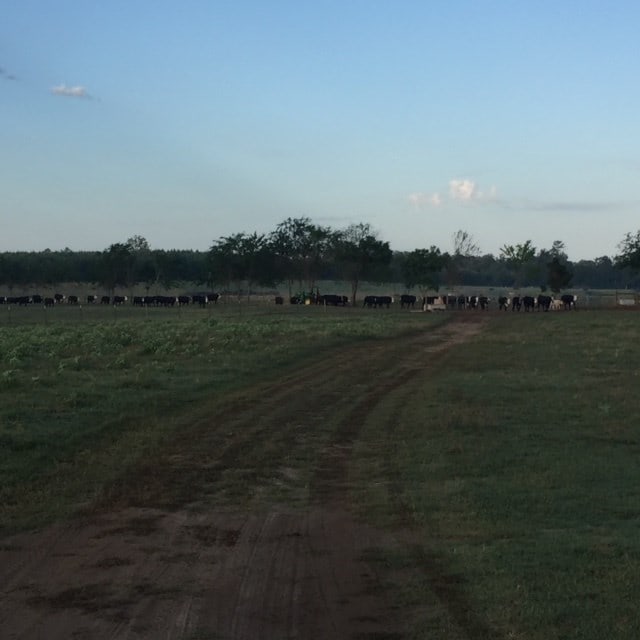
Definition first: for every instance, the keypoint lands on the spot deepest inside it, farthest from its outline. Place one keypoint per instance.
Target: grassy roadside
(517, 465)
(83, 403)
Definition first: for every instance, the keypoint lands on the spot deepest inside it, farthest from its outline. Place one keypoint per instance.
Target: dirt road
(165, 557)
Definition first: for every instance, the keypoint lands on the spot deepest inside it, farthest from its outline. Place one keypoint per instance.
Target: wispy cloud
(70, 92)
(420, 199)
(460, 190)
(568, 206)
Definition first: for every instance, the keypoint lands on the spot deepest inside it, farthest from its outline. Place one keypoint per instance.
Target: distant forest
(299, 254)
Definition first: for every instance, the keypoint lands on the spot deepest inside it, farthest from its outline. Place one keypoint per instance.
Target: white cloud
(70, 92)
(468, 191)
(460, 189)
(420, 199)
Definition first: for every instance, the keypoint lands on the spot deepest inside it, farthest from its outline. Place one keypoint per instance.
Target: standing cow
(377, 301)
(332, 299)
(407, 300)
(544, 302)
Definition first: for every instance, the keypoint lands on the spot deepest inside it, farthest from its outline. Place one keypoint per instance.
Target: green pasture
(518, 466)
(86, 395)
(509, 467)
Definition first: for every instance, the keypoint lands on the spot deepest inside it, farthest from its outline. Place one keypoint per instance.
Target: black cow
(200, 299)
(49, 302)
(529, 303)
(58, 297)
(36, 298)
(21, 301)
(72, 300)
(279, 300)
(516, 303)
(332, 299)
(451, 301)
(105, 300)
(483, 301)
(408, 300)
(503, 303)
(138, 301)
(91, 299)
(119, 300)
(296, 300)
(462, 302)
(213, 297)
(377, 301)
(544, 302)
(184, 300)
(568, 301)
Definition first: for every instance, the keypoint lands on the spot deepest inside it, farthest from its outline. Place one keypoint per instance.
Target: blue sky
(187, 121)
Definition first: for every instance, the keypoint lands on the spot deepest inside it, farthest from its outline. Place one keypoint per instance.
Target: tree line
(300, 254)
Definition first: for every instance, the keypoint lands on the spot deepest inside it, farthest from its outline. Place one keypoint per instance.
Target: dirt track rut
(140, 569)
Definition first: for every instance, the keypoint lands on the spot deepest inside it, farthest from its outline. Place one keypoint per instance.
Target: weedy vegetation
(517, 466)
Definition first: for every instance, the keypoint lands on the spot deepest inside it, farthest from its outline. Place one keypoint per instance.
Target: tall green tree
(518, 256)
(300, 248)
(14, 270)
(423, 268)
(117, 266)
(360, 254)
(558, 251)
(225, 261)
(559, 275)
(629, 256)
(242, 258)
(465, 249)
(145, 267)
(126, 263)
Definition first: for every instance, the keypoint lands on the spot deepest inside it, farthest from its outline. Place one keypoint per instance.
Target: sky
(185, 122)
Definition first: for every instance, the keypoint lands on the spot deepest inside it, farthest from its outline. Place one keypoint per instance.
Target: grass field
(512, 461)
(518, 464)
(84, 395)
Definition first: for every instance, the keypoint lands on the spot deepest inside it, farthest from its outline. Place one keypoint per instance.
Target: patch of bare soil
(146, 567)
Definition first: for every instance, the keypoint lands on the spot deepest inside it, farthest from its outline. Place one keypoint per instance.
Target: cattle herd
(407, 301)
(516, 303)
(202, 299)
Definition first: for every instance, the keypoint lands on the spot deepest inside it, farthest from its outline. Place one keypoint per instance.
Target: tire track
(328, 480)
(271, 571)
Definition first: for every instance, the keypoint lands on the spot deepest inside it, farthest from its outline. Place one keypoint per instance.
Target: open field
(253, 472)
